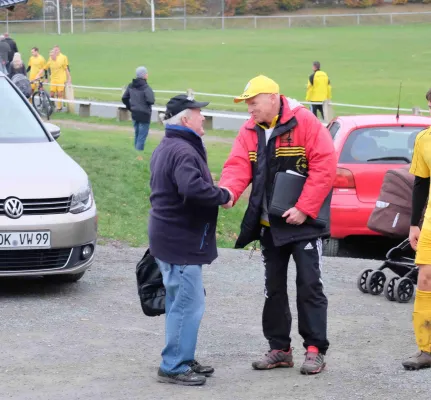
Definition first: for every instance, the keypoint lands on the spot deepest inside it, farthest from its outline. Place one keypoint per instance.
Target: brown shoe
(275, 359)
(421, 359)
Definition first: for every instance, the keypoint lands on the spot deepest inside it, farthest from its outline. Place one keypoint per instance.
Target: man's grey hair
(176, 119)
(2, 37)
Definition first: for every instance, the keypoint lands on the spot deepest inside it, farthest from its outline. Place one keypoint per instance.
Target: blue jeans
(141, 133)
(185, 306)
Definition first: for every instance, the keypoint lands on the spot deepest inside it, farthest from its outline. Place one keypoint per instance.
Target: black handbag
(151, 290)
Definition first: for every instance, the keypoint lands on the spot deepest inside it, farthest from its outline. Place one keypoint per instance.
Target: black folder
(287, 189)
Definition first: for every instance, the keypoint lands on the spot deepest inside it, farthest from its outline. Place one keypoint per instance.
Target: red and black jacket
(300, 143)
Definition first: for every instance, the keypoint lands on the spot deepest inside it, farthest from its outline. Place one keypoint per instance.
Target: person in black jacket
(5, 51)
(12, 44)
(138, 98)
(182, 234)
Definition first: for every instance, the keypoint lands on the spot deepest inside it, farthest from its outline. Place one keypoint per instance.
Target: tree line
(167, 8)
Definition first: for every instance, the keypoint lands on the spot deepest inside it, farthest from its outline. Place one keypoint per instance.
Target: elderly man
(283, 135)
(139, 98)
(420, 240)
(182, 228)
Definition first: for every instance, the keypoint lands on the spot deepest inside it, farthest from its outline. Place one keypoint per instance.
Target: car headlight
(82, 200)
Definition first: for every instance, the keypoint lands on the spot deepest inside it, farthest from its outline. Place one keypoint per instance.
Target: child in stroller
(391, 217)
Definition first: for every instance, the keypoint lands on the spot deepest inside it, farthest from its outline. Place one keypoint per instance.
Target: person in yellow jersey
(60, 55)
(318, 89)
(420, 241)
(35, 65)
(63, 57)
(59, 76)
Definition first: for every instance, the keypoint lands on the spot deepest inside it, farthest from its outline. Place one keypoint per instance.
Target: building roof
(10, 4)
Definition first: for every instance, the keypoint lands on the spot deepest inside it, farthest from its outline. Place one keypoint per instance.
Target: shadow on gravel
(373, 248)
(38, 287)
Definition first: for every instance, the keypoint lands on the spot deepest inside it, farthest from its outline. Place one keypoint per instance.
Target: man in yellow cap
(281, 137)
(420, 240)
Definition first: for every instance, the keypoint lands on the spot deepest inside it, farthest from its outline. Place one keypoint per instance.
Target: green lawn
(365, 64)
(120, 179)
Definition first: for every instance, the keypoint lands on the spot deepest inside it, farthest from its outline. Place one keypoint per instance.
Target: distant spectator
(12, 44)
(318, 89)
(17, 66)
(4, 54)
(139, 98)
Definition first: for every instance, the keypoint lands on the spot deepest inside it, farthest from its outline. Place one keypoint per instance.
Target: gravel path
(90, 340)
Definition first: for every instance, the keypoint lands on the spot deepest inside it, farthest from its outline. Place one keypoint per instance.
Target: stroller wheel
(389, 289)
(362, 280)
(375, 282)
(404, 290)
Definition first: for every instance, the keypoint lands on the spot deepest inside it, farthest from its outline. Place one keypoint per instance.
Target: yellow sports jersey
(421, 165)
(36, 64)
(66, 60)
(58, 69)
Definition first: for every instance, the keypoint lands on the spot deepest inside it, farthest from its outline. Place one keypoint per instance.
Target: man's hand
(414, 236)
(229, 204)
(294, 216)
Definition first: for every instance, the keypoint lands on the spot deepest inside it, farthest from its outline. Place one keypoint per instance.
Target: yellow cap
(260, 84)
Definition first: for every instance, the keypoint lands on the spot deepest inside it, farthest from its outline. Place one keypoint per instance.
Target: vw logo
(13, 208)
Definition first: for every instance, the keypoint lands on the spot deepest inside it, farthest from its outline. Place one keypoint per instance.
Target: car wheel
(64, 278)
(331, 247)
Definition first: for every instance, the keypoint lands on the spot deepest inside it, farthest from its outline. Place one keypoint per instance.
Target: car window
(381, 145)
(18, 123)
(333, 129)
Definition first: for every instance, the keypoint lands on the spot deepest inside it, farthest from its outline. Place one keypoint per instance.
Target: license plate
(25, 240)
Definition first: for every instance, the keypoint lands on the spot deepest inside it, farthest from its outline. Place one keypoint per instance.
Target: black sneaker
(201, 369)
(188, 378)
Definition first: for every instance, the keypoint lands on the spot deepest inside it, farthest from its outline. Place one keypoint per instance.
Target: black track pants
(311, 302)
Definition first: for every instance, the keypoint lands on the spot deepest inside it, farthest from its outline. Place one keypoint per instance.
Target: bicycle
(41, 101)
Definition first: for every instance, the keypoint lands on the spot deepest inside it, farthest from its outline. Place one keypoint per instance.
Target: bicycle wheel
(39, 101)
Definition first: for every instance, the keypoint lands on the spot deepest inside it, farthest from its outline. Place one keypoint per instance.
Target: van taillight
(344, 179)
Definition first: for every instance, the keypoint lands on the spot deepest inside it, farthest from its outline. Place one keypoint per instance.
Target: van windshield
(18, 123)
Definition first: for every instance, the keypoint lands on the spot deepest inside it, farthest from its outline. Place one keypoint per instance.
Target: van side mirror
(54, 130)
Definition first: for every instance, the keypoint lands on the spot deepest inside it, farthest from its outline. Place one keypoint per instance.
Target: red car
(367, 146)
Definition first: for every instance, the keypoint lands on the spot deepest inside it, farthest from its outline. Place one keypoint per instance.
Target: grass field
(120, 179)
(365, 64)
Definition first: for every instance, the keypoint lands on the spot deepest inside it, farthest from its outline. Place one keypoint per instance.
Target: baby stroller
(391, 217)
(399, 260)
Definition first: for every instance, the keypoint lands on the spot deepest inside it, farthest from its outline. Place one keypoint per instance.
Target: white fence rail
(80, 24)
(215, 118)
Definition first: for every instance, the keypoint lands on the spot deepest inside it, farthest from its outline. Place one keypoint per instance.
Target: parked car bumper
(70, 235)
(349, 216)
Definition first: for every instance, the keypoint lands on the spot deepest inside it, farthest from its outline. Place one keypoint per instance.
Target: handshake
(229, 204)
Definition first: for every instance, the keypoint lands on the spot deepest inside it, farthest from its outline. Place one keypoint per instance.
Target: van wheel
(331, 247)
(65, 278)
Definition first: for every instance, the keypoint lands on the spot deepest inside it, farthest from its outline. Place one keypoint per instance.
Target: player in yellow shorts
(420, 240)
(59, 76)
(35, 64)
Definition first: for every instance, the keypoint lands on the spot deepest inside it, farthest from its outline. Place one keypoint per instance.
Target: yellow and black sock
(422, 320)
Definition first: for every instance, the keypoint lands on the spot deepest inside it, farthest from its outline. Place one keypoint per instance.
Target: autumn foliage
(96, 9)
